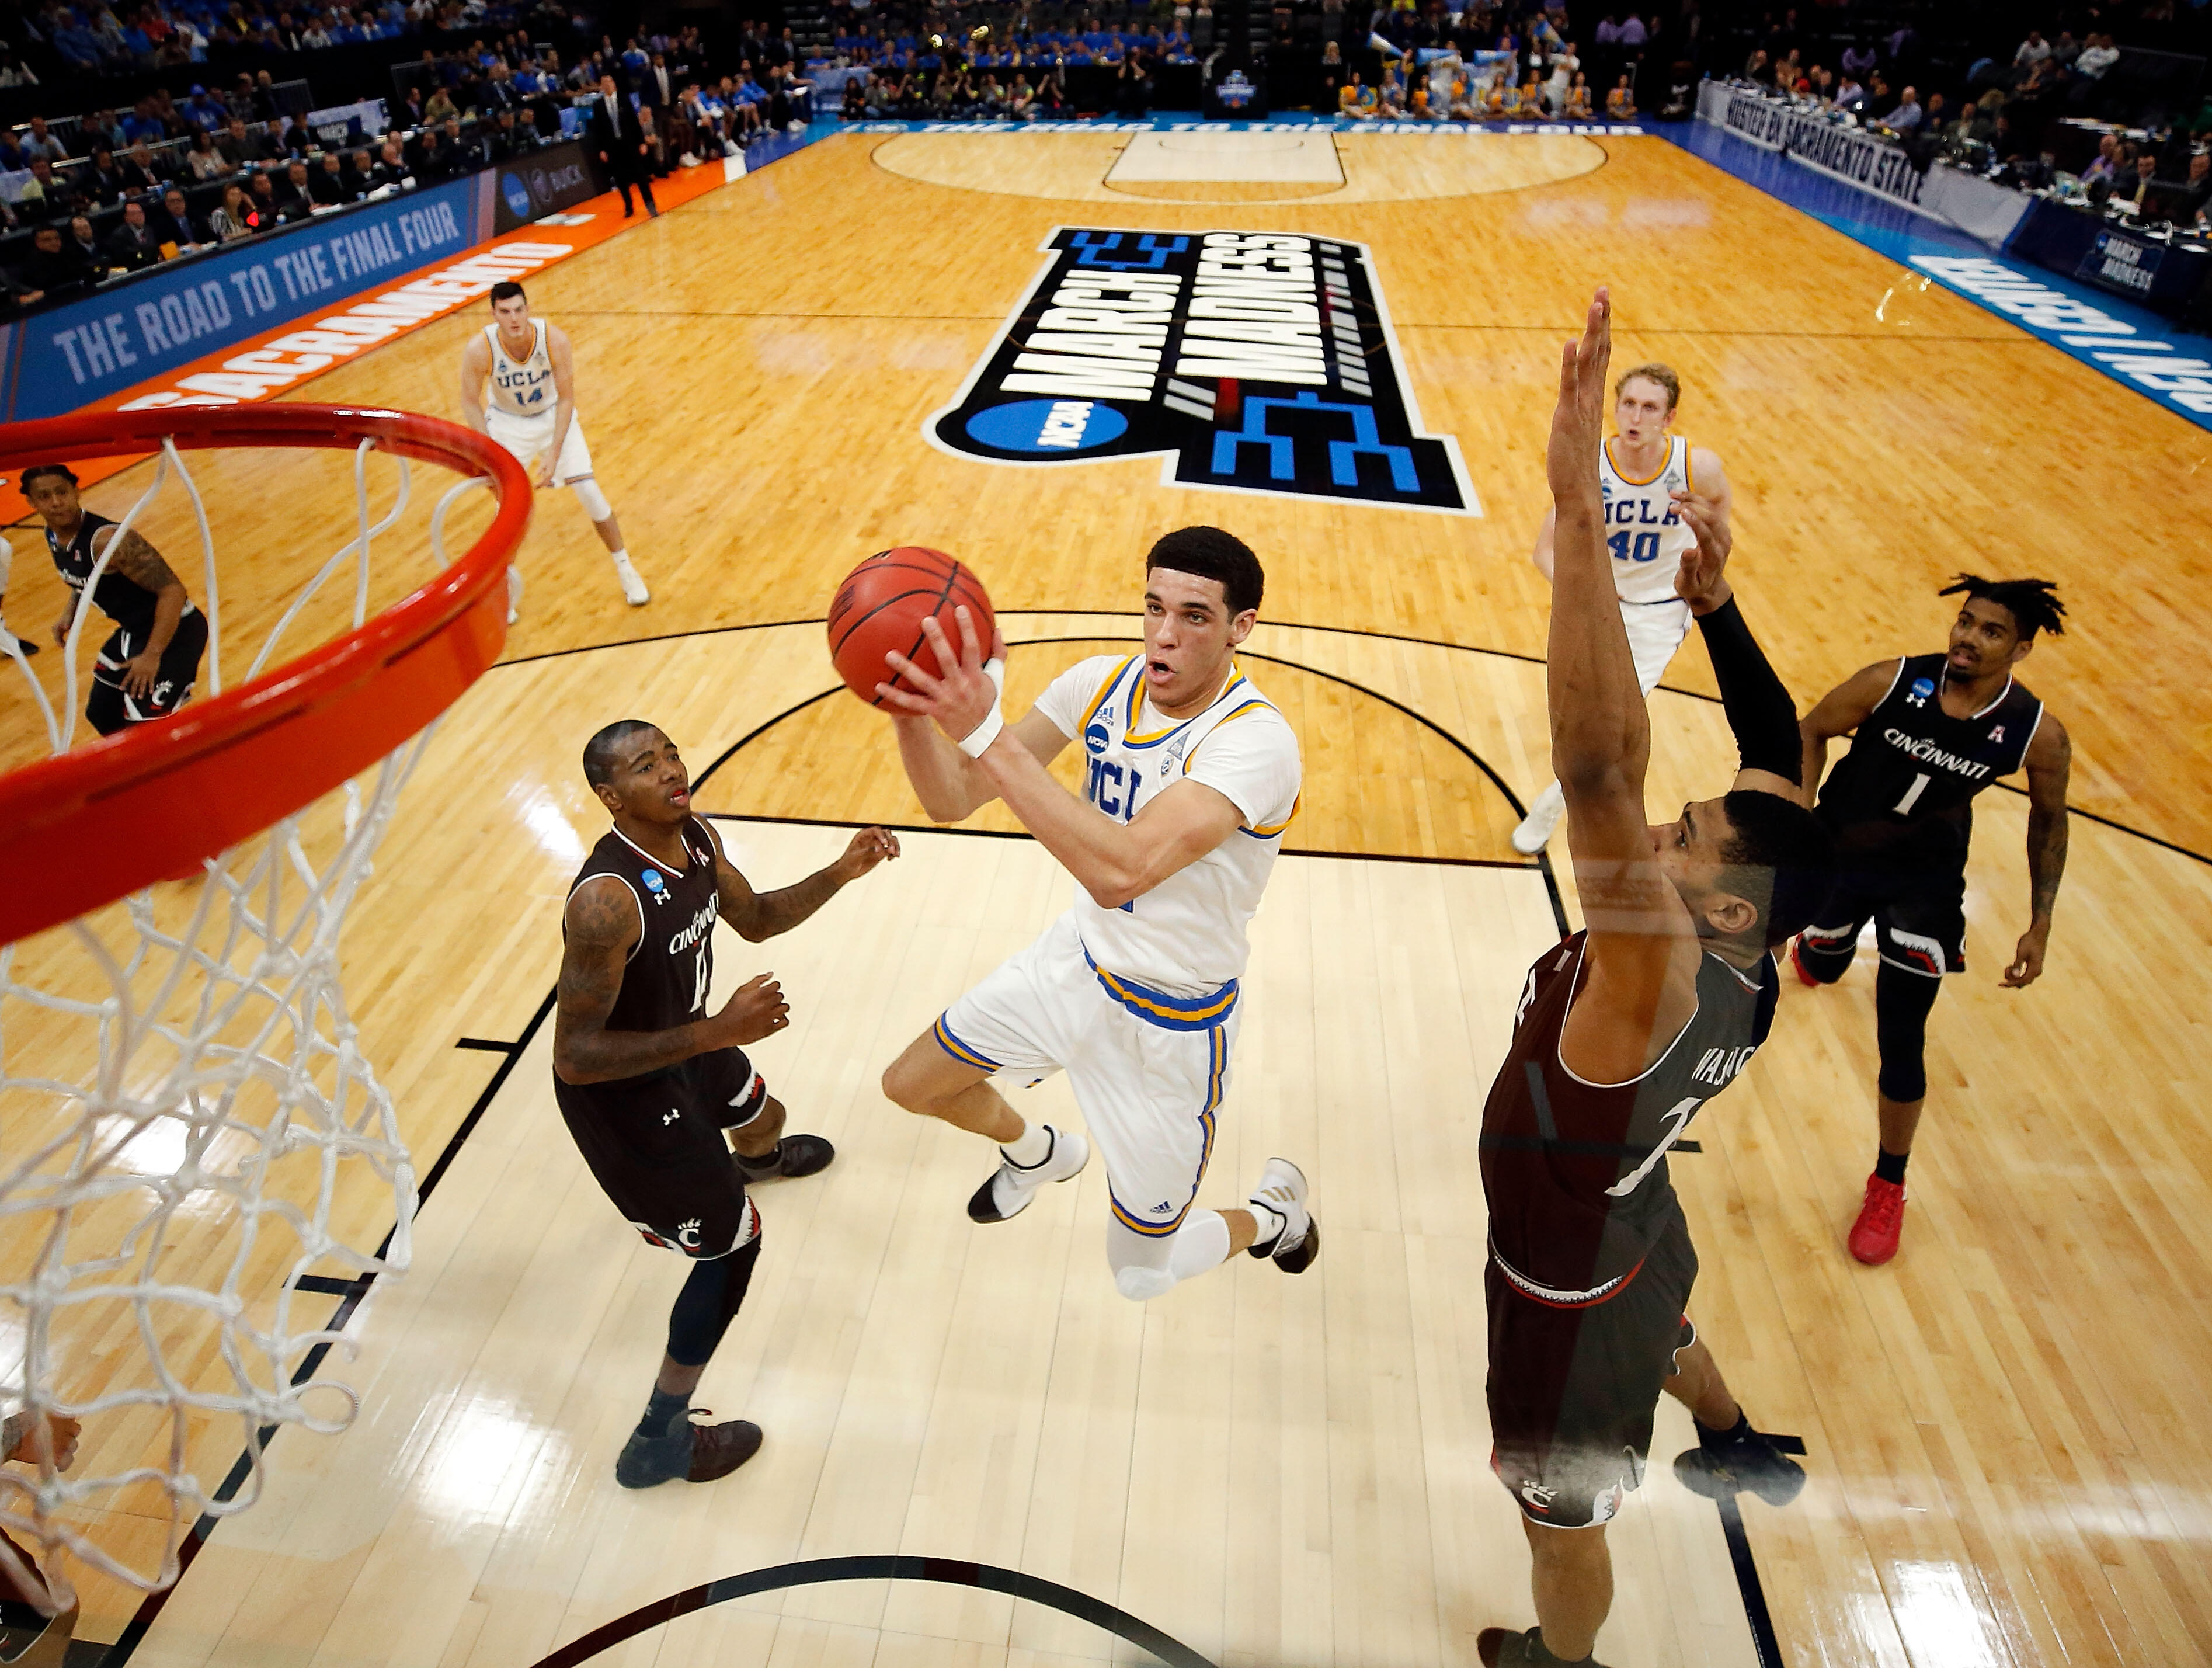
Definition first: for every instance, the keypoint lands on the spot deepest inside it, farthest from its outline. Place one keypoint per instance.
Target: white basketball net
(187, 1127)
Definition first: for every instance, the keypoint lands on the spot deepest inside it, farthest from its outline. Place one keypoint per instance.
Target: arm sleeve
(1760, 710)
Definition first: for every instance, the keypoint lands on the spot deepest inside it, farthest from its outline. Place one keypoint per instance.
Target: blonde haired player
(1192, 775)
(1639, 471)
(526, 364)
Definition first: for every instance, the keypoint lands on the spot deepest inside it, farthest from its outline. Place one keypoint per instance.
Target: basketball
(882, 604)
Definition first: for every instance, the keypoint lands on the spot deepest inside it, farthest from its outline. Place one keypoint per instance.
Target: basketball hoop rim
(154, 801)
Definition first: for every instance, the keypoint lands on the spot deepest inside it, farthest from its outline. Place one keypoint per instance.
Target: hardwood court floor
(2003, 1426)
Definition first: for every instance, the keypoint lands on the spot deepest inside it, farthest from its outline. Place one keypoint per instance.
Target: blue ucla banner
(76, 356)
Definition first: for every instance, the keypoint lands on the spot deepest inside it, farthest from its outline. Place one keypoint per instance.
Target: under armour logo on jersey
(1921, 689)
(655, 884)
(670, 1117)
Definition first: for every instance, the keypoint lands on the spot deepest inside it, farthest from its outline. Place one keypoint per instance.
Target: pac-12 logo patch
(1255, 362)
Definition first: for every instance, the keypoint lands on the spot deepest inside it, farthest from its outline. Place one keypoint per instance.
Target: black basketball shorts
(654, 1145)
(1572, 1391)
(108, 709)
(1919, 922)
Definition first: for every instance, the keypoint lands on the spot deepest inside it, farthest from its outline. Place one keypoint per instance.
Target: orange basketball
(881, 606)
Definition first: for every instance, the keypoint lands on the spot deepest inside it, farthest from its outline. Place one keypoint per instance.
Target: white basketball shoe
(1535, 828)
(513, 595)
(633, 591)
(1010, 1188)
(1282, 1194)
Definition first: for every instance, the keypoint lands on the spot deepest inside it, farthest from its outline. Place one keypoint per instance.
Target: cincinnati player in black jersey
(648, 1081)
(147, 666)
(1622, 1032)
(1933, 730)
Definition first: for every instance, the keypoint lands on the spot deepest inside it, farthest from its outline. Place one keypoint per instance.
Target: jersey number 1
(1904, 806)
(699, 979)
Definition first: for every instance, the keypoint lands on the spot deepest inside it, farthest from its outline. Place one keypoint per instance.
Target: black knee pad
(1901, 1003)
(1826, 953)
(708, 1304)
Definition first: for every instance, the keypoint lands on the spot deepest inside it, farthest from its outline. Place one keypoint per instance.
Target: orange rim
(154, 802)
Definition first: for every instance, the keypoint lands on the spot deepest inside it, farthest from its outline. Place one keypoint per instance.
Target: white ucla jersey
(1644, 532)
(522, 387)
(1186, 937)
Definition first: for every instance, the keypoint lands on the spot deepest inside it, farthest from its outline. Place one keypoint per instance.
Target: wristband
(995, 670)
(978, 739)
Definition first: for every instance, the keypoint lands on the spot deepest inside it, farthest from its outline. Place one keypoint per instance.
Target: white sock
(1270, 1222)
(1032, 1148)
(618, 556)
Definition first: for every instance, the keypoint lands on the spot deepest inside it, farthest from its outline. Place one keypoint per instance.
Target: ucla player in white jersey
(1192, 776)
(1640, 470)
(525, 362)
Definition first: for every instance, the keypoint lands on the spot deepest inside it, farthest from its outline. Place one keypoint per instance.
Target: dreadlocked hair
(2033, 604)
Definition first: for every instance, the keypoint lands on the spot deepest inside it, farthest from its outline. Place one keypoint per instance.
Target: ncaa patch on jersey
(1248, 361)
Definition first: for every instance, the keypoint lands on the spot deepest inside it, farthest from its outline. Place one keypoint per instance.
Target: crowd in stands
(1999, 111)
(65, 39)
(1464, 60)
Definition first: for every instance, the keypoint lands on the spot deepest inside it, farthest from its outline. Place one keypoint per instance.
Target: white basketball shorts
(1656, 630)
(1149, 1069)
(527, 437)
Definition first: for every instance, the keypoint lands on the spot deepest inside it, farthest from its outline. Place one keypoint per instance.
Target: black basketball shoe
(1726, 1463)
(695, 1453)
(792, 1157)
(1499, 1649)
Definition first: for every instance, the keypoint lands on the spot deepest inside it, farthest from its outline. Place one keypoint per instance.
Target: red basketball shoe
(1882, 1221)
(1797, 961)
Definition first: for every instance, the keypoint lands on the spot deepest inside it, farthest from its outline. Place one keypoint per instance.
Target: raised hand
(870, 846)
(962, 697)
(1571, 456)
(1702, 581)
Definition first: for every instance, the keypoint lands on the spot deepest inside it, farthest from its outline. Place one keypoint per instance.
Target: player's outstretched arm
(1761, 713)
(2049, 762)
(951, 785)
(1641, 946)
(1840, 711)
(1115, 862)
(601, 925)
(754, 915)
(475, 366)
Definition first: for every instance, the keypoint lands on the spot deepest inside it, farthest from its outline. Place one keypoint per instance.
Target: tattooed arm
(2050, 762)
(601, 926)
(140, 562)
(758, 914)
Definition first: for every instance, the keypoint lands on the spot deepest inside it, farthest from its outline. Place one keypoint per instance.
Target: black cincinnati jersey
(125, 601)
(1574, 1172)
(1903, 795)
(672, 967)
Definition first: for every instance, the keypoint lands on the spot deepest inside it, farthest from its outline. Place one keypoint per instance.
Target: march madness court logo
(1258, 361)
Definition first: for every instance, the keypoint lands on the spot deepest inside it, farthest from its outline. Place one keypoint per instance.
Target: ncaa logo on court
(1047, 425)
(1248, 361)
